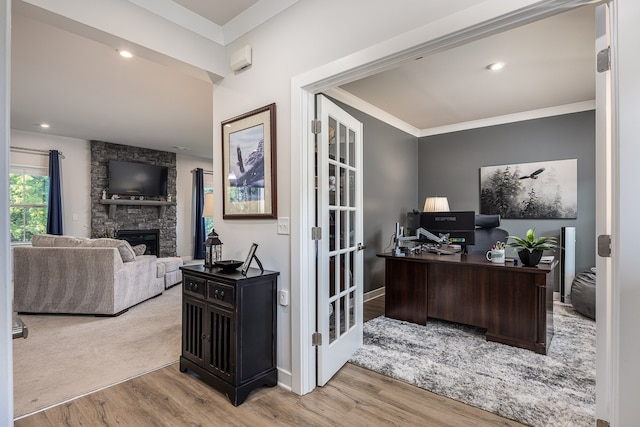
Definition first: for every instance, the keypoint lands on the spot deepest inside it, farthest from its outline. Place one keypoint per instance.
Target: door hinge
(316, 126)
(602, 423)
(316, 233)
(604, 245)
(603, 60)
(316, 339)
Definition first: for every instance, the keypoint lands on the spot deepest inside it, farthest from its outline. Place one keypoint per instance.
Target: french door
(339, 245)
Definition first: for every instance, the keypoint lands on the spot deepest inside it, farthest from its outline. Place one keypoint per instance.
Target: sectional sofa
(73, 275)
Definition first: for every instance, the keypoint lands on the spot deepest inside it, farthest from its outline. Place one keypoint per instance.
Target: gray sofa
(65, 274)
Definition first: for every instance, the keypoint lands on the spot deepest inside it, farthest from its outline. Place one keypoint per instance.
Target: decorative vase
(530, 258)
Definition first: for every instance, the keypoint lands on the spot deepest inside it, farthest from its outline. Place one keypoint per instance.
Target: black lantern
(212, 249)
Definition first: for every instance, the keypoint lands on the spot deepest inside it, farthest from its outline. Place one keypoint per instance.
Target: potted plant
(530, 248)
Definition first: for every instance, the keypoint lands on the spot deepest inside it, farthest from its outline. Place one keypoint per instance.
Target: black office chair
(487, 234)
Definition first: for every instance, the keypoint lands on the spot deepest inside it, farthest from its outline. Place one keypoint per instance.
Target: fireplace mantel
(113, 204)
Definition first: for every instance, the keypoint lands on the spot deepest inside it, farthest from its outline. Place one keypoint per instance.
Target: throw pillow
(139, 249)
(124, 248)
(126, 251)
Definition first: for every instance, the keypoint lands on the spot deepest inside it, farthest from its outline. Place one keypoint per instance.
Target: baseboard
(368, 296)
(284, 379)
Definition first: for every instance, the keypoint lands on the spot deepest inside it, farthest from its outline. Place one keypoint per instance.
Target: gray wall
(450, 166)
(400, 171)
(390, 190)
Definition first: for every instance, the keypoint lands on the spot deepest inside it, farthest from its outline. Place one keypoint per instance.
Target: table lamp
(436, 204)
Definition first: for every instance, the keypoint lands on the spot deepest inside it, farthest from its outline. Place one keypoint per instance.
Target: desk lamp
(436, 204)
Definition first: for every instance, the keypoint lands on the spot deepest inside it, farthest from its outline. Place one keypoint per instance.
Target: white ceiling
(86, 91)
(548, 63)
(219, 12)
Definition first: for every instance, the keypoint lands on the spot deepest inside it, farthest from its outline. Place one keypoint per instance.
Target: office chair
(487, 234)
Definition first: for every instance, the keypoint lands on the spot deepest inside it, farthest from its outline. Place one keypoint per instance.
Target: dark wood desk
(513, 303)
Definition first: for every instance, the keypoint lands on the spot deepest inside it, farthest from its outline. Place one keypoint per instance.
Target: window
(28, 199)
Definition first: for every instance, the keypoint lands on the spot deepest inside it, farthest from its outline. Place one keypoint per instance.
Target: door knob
(361, 247)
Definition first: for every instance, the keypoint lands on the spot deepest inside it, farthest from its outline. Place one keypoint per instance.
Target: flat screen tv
(137, 179)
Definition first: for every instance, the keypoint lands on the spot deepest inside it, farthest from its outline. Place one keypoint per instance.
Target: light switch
(283, 225)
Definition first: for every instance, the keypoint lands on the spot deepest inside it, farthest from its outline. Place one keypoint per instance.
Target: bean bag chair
(583, 293)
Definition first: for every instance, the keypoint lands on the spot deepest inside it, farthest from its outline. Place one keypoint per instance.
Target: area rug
(65, 357)
(457, 362)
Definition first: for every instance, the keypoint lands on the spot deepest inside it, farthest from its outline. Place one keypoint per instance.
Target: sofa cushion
(54, 241)
(171, 263)
(125, 249)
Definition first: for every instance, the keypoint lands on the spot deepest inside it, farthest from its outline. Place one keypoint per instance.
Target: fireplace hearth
(151, 238)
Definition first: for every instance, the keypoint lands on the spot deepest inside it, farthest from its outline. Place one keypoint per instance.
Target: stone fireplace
(143, 219)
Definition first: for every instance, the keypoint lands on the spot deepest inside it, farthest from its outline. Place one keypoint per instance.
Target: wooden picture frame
(249, 165)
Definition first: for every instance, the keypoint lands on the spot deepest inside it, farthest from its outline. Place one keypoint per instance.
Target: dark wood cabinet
(229, 329)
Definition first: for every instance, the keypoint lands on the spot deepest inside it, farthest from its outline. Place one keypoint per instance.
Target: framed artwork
(539, 190)
(249, 165)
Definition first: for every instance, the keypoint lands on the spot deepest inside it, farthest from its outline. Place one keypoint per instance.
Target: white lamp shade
(208, 206)
(436, 204)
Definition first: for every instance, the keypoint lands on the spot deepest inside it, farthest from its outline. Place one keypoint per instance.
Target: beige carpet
(68, 356)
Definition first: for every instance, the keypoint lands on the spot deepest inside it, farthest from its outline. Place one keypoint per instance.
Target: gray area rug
(65, 357)
(457, 362)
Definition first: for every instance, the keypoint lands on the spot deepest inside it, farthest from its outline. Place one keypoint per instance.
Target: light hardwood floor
(354, 397)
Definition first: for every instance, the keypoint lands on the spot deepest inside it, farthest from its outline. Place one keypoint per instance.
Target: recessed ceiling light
(125, 54)
(45, 125)
(495, 66)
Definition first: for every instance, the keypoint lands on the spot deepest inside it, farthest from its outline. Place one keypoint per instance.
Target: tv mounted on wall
(137, 179)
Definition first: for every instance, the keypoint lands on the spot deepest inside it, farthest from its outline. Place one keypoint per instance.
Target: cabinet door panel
(193, 332)
(220, 342)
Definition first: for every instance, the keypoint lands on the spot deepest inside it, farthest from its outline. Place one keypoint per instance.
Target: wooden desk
(513, 303)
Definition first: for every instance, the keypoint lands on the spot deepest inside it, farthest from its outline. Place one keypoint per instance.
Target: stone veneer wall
(131, 217)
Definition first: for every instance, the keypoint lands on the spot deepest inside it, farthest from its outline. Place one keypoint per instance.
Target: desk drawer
(194, 286)
(220, 293)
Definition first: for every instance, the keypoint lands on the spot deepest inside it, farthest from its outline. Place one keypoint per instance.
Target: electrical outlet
(283, 297)
(283, 225)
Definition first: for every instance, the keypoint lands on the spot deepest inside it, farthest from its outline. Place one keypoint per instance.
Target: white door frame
(6, 287)
(449, 33)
